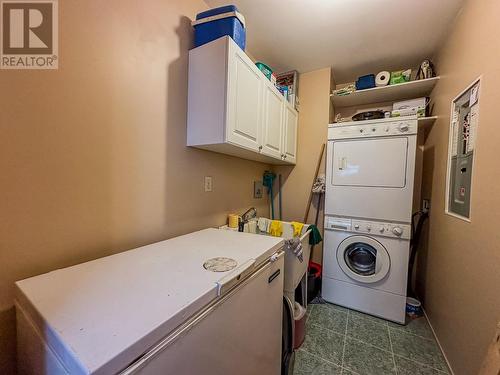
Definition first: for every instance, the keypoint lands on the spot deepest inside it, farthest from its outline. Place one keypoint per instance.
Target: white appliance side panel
(33, 354)
(242, 335)
(398, 249)
(380, 203)
(207, 82)
(371, 301)
(379, 162)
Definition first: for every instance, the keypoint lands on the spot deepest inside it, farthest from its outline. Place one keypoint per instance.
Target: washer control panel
(375, 228)
(375, 129)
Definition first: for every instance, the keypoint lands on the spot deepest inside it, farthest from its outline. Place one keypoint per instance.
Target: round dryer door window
(363, 259)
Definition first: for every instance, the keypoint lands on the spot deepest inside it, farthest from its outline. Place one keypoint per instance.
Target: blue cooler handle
(236, 14)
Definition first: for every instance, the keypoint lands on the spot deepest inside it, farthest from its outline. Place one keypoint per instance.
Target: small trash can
(218, 22)
(299, 317)
(313, 281)
(413, 308)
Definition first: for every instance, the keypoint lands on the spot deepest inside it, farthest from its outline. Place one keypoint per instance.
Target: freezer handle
(239, 273)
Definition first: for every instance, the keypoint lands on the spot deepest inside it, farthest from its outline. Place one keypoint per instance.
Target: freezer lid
(99, 316)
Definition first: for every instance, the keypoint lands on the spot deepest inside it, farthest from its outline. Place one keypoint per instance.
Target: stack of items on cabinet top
(286, 82)
(237, 107)
(227, 20)
(387, 94)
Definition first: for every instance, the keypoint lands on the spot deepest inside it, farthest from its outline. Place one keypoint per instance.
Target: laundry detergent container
(218, 22)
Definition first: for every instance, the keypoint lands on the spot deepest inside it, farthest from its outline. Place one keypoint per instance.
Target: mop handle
(272, 202)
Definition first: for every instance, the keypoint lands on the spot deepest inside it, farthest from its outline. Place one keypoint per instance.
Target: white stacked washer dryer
(369, 198)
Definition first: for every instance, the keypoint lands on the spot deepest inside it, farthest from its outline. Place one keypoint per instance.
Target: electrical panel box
(464, 122)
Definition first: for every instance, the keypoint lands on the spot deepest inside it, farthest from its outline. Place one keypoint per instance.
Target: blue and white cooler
(218, 22)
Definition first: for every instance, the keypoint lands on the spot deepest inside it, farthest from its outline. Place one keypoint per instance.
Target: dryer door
(371, 178)
(377, 162)
(363, 259)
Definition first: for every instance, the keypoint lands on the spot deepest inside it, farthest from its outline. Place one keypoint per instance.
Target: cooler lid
(101, 315)
(216, 11)
(219, 13)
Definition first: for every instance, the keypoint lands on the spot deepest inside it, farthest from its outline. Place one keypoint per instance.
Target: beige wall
(314, 89)
(460, 269)
(92, 156)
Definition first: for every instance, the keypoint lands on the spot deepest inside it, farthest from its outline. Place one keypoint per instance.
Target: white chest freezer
(158, 309)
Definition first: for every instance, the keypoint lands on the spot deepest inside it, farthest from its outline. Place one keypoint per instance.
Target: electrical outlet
(426, 205)
(208, 184)
(257, 189)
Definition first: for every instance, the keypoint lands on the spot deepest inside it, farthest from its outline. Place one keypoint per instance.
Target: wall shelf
(401, 91)
(426, 122)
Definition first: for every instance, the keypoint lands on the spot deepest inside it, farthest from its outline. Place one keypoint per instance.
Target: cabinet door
(244, 101)
(290, 134)
(272, 122)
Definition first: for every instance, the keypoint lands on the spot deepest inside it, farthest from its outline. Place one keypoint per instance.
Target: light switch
(257, 189)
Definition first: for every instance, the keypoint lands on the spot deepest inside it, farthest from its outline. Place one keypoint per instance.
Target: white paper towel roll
(382, 79)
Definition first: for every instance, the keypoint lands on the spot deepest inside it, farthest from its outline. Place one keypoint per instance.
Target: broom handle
(272, 202)
(314, 180)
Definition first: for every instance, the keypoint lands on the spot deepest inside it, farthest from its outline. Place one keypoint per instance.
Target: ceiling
(355, 37)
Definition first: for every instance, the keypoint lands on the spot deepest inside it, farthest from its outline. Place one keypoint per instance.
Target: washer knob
(356, 226)
(368, 227)
(397, 231)
(403, 127)
(381, 229)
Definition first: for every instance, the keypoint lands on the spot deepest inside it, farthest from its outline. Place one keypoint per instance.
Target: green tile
(417, 349)
(407, 367)
(418, 326)
(324, 343)
(332, 306)
(306, 363)
(362, 328)
(366, 359)
(337, 307)
(329, 317)
(367, 316)
(347, 372)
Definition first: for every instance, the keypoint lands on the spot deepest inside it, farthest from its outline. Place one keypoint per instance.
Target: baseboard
(439, 343)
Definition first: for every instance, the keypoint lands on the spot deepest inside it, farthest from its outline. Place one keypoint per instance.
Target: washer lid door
(363, 259)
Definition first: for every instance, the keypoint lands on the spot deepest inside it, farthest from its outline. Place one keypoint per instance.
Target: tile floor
(340, 341)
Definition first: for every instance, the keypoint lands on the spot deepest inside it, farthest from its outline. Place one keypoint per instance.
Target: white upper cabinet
(272, 135)
(244, 102)
(233, 108)
(290, 124)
